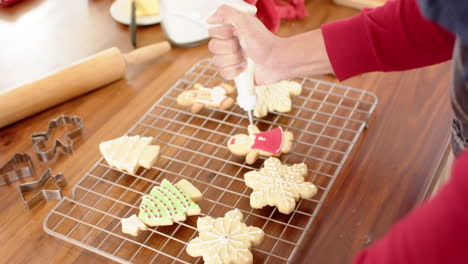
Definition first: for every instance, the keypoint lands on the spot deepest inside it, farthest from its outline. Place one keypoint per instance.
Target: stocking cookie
(269, 143)
(129, 153)
(169, 203)
(225, 240)
(279, 185)
(132, 225)
(201, 96)
(275, 97)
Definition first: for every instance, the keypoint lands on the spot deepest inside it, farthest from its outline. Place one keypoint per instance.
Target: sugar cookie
(129, 153)
(269, 143)
(279, 185)
(169, 203)
(201, 96)
(132, 225)
(225, 239)
(275, 97)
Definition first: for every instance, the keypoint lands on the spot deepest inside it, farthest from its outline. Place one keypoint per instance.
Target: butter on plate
(144, 7)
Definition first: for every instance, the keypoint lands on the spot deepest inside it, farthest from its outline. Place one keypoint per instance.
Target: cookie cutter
(39, 139)
(42, 194)
(12, 171)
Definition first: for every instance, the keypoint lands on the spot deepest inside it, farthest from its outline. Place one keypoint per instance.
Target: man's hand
(242, 35)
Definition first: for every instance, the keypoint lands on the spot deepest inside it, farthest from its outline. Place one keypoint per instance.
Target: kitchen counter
(389, 172)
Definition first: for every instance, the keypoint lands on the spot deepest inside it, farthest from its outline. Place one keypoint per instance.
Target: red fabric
(436, 232)
(270, 12)
(393, 37)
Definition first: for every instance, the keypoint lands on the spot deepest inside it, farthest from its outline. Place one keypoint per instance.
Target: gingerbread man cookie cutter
(17, 168)
(67, 147)
(42, 193)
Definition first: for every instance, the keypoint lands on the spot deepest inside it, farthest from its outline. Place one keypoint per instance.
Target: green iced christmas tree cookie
(169, 203)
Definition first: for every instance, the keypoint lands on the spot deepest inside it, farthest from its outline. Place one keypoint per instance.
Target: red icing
(269, 141)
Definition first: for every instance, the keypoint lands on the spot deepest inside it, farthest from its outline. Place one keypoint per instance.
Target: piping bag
(246, 97)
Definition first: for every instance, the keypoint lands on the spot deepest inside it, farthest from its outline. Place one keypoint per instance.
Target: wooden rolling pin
(82, 77)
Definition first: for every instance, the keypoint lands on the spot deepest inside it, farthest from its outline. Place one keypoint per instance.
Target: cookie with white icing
(201, 96)
(129, 153)
(225, 239)
(132, 225)
(169, 203)
(279, 185)
(270, 143)
(275, 97)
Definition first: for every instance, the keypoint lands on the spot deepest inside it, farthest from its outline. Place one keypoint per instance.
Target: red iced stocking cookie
(270, 143)
(201, 96)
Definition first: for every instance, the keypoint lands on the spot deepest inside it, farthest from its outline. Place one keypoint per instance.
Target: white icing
(279, 185)
(228, 239)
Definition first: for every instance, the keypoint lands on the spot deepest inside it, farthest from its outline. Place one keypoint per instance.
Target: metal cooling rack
(326, 121)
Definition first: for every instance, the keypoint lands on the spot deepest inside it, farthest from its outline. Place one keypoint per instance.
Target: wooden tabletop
(387, 174)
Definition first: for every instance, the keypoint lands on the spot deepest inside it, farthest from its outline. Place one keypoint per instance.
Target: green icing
(176, 204)
(166, 203)
(192, 204)
(153, 209)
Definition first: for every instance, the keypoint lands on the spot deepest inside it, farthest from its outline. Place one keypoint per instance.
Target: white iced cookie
(129, 153)
(275, 97)
(279, 185)
(132, 225)
(225, 239)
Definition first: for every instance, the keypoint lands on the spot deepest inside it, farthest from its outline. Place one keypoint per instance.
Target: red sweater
(393, 37)
(397, 37)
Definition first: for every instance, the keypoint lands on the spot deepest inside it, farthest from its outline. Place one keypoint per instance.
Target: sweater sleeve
(436, 232)
(393, 37)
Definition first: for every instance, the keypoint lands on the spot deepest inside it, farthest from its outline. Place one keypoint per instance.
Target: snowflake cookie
(201, 96)
(225, 239)
(275, 97)
(279, 185)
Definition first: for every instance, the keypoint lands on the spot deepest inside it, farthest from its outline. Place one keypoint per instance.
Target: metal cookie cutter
(17, 168)
(65, 147)
(42, 194)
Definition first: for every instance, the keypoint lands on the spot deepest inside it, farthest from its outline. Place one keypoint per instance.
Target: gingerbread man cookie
(201, 96)
(225, 240)
(269, 143)
(279, 185)
(275, 97)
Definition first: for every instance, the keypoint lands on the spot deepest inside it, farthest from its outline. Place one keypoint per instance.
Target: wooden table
(386, 176)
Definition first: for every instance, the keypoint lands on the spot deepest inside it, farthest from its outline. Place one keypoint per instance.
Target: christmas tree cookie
(129, 153)
(169, 203)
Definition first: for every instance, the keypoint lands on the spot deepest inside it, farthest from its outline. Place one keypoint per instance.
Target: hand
(242, 36)
(275, 58)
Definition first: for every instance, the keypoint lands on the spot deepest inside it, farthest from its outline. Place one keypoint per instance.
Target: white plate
(120, 13)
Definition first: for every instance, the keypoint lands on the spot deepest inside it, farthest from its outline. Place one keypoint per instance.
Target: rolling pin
(84, 76)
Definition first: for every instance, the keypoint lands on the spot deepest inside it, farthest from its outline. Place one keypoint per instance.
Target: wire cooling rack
(326, 121)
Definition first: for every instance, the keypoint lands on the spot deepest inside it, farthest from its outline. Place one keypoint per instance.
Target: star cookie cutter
(13, 171)
(39, 139)
(42, 193)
